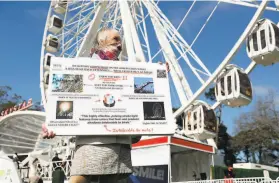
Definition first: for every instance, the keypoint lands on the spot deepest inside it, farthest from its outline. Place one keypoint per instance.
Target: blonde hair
(101, 36)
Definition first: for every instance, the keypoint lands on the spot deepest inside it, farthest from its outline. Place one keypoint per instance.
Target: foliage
(218, 173)
(7, 99)
(36, 107)
(223, 139)
(258, 132)
(179, 119)
(210, 94)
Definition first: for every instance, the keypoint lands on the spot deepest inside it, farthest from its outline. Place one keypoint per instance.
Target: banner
(149, 174)
(97, 97)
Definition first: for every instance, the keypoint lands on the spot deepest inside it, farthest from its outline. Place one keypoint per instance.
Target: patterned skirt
(102, 159)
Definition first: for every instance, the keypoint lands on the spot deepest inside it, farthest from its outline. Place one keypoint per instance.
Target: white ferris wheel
(71, 27)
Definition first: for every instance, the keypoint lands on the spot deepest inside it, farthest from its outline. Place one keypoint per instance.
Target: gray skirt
(102, 159)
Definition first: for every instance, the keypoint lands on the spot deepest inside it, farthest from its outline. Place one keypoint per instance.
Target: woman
(102, 159)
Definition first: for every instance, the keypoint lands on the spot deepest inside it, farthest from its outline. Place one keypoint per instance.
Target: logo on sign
(91, 77)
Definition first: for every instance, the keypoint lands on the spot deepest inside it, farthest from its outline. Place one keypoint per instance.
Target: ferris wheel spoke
(207, 20)
(80, 29)
(85, 46)
(227, 59)
(248, 4)
(80, 6)
(181, 84)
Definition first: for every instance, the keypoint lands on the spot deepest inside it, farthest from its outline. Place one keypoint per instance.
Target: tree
(223, 139)
(179, 119)
(7, 99)
(257, 132)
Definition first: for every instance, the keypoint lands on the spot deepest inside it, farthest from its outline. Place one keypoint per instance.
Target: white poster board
(96, 97)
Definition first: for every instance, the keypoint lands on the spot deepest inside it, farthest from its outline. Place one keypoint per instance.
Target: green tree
(257, 132)
(223, 139)
(7, 99)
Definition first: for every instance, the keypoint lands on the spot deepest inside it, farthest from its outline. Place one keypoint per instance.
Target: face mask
(107, 55)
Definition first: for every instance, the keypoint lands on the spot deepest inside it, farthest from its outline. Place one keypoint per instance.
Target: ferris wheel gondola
(59, 6)
(200, 121)
(52, 44)
(55, 24)
(263, 43)
(47, 60)
(233, 87)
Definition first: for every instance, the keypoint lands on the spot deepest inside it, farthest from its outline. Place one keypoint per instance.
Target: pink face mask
(107, 55)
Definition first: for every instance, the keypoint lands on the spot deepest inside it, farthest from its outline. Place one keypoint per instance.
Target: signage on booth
(92, 97)
(149, 174)
(22, 106)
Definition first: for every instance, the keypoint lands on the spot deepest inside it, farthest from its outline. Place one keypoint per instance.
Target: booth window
(209, 120)
(248, 44)
(63, 4)
(57, 22)
(270, 35)
(53, 43)
(229, 83)
(48, 60)
(244, 83)
(223, 86)
(276, 31)
(255, 43)
(235, 81)
(263, 40)
(47, 79)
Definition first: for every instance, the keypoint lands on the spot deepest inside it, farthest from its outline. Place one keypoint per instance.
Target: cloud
(262, 90)
(38, 13)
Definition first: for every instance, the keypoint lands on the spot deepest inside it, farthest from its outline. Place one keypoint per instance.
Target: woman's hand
(167, 65)
(46, 133)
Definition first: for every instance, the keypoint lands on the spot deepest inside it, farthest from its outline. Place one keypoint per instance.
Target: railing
(45, 171)
(236, 180)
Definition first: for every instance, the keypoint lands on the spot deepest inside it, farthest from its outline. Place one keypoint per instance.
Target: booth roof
(19, 132)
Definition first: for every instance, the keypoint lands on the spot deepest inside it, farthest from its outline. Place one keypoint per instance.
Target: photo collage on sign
(67, 83)
(145, 85)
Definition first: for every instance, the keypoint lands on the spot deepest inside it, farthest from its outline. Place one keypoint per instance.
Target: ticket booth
(164, 159)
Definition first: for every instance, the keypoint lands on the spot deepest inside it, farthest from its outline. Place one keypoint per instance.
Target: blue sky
(22, 26)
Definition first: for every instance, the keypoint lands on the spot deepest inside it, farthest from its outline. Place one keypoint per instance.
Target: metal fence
(45, 172)
(236, 180)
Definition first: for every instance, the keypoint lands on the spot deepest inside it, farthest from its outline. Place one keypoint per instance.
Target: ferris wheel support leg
(88, 39)
(131, 23)
(176, 72)
(227, 59)
(126, 28)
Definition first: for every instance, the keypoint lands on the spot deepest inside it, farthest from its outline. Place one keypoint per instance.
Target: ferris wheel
(71, 27)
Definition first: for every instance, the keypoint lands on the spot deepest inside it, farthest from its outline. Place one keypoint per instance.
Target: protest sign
(97, 97)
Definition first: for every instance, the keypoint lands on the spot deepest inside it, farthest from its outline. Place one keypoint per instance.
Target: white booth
(164, 159)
